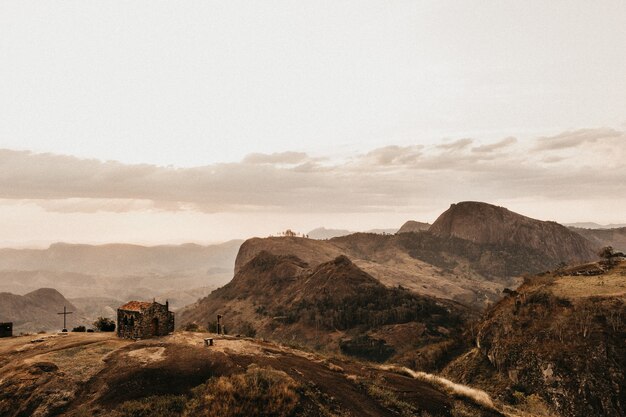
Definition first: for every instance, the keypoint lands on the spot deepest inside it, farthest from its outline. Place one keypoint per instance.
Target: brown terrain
(489, 224)
(334, 306)
(101, 375)
(556, 345)
(470, 254)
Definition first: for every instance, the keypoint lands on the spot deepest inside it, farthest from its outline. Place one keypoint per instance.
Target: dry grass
(258, 392)
(261, 392)
(476, 396)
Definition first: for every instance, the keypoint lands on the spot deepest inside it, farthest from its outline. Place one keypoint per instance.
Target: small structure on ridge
(144, 320)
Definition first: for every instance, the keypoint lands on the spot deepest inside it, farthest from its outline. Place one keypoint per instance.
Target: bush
(104, 324)
(81, 329)
(261, 392)
(192, 327)
(156, 406)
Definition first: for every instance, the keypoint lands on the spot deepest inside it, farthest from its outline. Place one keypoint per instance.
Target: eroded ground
(93, 373)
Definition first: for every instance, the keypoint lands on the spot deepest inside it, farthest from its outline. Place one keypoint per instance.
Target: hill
(322, 233)
(175, 376)
(615, 237)
(119, 271)
(557, 344)
(470, 254)
(412, 226)
(334, 306)
(37, 310)
(489, 224)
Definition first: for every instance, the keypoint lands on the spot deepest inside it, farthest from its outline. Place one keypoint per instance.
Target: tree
(104, 324)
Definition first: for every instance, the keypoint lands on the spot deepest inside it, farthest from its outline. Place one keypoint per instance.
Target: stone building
(144, 319)
(6, 329)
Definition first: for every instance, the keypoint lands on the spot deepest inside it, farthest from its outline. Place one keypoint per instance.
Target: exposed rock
(486, 223)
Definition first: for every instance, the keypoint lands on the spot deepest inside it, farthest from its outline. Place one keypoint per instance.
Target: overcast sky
(155, 121)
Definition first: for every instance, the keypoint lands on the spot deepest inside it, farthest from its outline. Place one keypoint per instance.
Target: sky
(168, 122)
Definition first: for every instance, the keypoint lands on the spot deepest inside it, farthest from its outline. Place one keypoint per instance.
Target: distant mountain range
(180, 273)
(588, 225)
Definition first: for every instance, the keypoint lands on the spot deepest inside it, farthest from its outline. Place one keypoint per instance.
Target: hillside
(183, 273)
(413, 226)
(615, 237)
(556, 344)
(322, 233)
(334, 306)
(469, 255)
(37, 311)
(175, 376)
(489, 224)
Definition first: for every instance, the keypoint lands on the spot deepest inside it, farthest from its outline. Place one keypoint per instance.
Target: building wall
(140, 325)
(6, 329)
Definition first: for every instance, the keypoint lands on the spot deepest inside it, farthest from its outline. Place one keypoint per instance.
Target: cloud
(276, 158)
(456, 145)
(394, 155)
(572, 139)
(381, 180)
(504, 143)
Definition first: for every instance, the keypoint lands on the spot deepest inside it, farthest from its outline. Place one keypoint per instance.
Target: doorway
(155, 326)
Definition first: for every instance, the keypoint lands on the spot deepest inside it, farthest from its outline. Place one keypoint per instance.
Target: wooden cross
(65, 313)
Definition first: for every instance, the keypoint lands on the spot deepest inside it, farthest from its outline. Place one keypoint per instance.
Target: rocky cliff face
(556, 344)
(486, 223)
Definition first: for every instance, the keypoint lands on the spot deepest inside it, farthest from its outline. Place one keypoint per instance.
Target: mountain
(322, 233)
(599, 238)
(470, 254)
(334, 305)
(98, 374)
(37, 311)
(590, 225)
(413, 226)
(557, 343)
(120, 271)
(489, 224)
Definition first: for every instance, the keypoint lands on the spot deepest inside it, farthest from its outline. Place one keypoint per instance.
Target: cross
(65, 313)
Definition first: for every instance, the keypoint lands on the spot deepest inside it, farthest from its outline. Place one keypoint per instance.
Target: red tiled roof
(136, 305)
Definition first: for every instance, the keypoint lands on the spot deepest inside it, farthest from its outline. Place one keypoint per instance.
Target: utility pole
(65, 313)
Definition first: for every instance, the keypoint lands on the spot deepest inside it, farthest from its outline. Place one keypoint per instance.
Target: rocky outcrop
(413, 226)
(489, 224)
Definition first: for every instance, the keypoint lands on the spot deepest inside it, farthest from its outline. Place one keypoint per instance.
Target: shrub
(261, 392)
(81, 329)
(104, 324)
(192, 327)
(247, 329)
(156, 406)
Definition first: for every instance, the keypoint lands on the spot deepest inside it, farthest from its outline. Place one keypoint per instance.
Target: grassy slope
(559, 342)
(100, 375)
